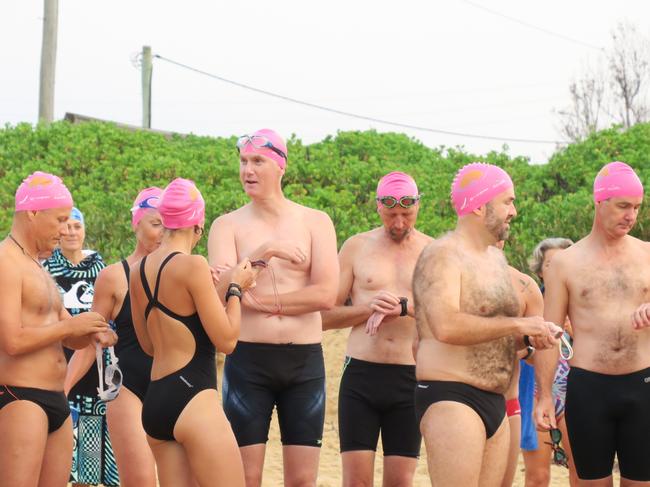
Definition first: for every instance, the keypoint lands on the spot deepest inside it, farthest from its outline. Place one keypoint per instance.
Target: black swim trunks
(490, 406)
(376, 397)
(259, 376)
(607, 415)
(53, 403)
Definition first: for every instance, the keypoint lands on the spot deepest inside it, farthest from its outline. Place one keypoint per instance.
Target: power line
(532, 26)
(356, 115)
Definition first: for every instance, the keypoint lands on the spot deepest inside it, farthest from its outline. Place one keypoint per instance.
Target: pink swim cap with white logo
(476, 184)
(616, 179)
(181, 205)
(42, 191)
(146, 200)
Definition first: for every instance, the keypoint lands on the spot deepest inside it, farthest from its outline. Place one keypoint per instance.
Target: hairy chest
(487, 290)
(606, 284)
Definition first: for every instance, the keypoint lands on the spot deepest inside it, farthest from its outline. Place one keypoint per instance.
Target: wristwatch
(233, 290)
(404, 302)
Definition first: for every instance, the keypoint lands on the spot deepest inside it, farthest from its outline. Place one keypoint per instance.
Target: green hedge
(105, 166)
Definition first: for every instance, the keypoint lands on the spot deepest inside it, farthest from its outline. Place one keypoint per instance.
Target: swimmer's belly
(611, 350)
(393, 344)
(43, 369)
(438, 361)
(264, 328)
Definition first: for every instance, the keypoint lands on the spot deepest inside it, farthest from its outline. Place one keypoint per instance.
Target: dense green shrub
(105, 166)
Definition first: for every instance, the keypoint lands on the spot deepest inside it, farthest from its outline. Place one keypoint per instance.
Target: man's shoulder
(311, 214)
(229, 220)
(359, 240)
(445, 247)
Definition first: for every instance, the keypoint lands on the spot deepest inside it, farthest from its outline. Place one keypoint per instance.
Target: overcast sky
(443, 64)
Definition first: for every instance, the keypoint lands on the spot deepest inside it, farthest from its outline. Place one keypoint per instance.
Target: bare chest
(287, 233)
(487, 290)
(375, 269)
(602, 285)
(39, 294)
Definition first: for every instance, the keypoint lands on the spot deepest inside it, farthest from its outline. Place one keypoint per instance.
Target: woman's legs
(135, 461)
(207, 438)
(538, 462)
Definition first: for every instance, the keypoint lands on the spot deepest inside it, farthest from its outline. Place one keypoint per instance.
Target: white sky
(443, 64)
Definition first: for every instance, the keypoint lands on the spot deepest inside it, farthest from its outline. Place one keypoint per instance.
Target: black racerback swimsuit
(167, 397)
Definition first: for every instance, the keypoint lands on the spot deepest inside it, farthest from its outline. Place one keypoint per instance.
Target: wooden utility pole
(48, 61)
(147, 69)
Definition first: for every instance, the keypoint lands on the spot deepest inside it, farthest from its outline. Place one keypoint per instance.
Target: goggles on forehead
(111, 376)
(145, 204)
(404, 201)
(259, 142)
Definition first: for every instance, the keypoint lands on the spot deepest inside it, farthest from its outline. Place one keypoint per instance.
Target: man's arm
(17, 339)
(556, 302)
(320, 294)
(222, 251)
(436, 289)
(341, 316)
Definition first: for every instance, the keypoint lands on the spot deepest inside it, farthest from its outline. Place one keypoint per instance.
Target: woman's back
(172, 319)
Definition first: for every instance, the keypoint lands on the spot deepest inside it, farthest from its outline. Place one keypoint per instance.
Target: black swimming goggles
(559, 455)
(259, 142)
(404, 201)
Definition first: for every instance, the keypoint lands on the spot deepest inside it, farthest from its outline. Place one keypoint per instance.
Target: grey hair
(537, 259)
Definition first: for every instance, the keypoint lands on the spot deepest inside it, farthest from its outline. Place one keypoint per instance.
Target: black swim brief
(608, 415)
(259, 376)
(490, 406)
(53, 403)
(376, 397)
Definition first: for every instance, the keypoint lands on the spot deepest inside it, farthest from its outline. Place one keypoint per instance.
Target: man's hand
(87, 323)
(541, 334)
(545, 413)
(386, 303)
(372, 325)
(287, 250)
(641, 317)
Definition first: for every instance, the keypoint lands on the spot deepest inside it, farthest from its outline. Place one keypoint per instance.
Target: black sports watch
(233, 290)
(404, 302)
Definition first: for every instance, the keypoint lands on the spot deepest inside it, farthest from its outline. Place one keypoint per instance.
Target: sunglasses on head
(111, 376)
(145, 204)
(259, 142)
(559, 455)
(404, 201)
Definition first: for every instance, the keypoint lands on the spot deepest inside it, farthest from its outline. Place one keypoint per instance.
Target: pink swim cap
(275, 139)
(147, 199)
(181, 205)
(616, 179)
(396, 184)
(476, 184)
(42, 191)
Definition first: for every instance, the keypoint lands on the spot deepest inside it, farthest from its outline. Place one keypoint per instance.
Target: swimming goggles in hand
(111, 377)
